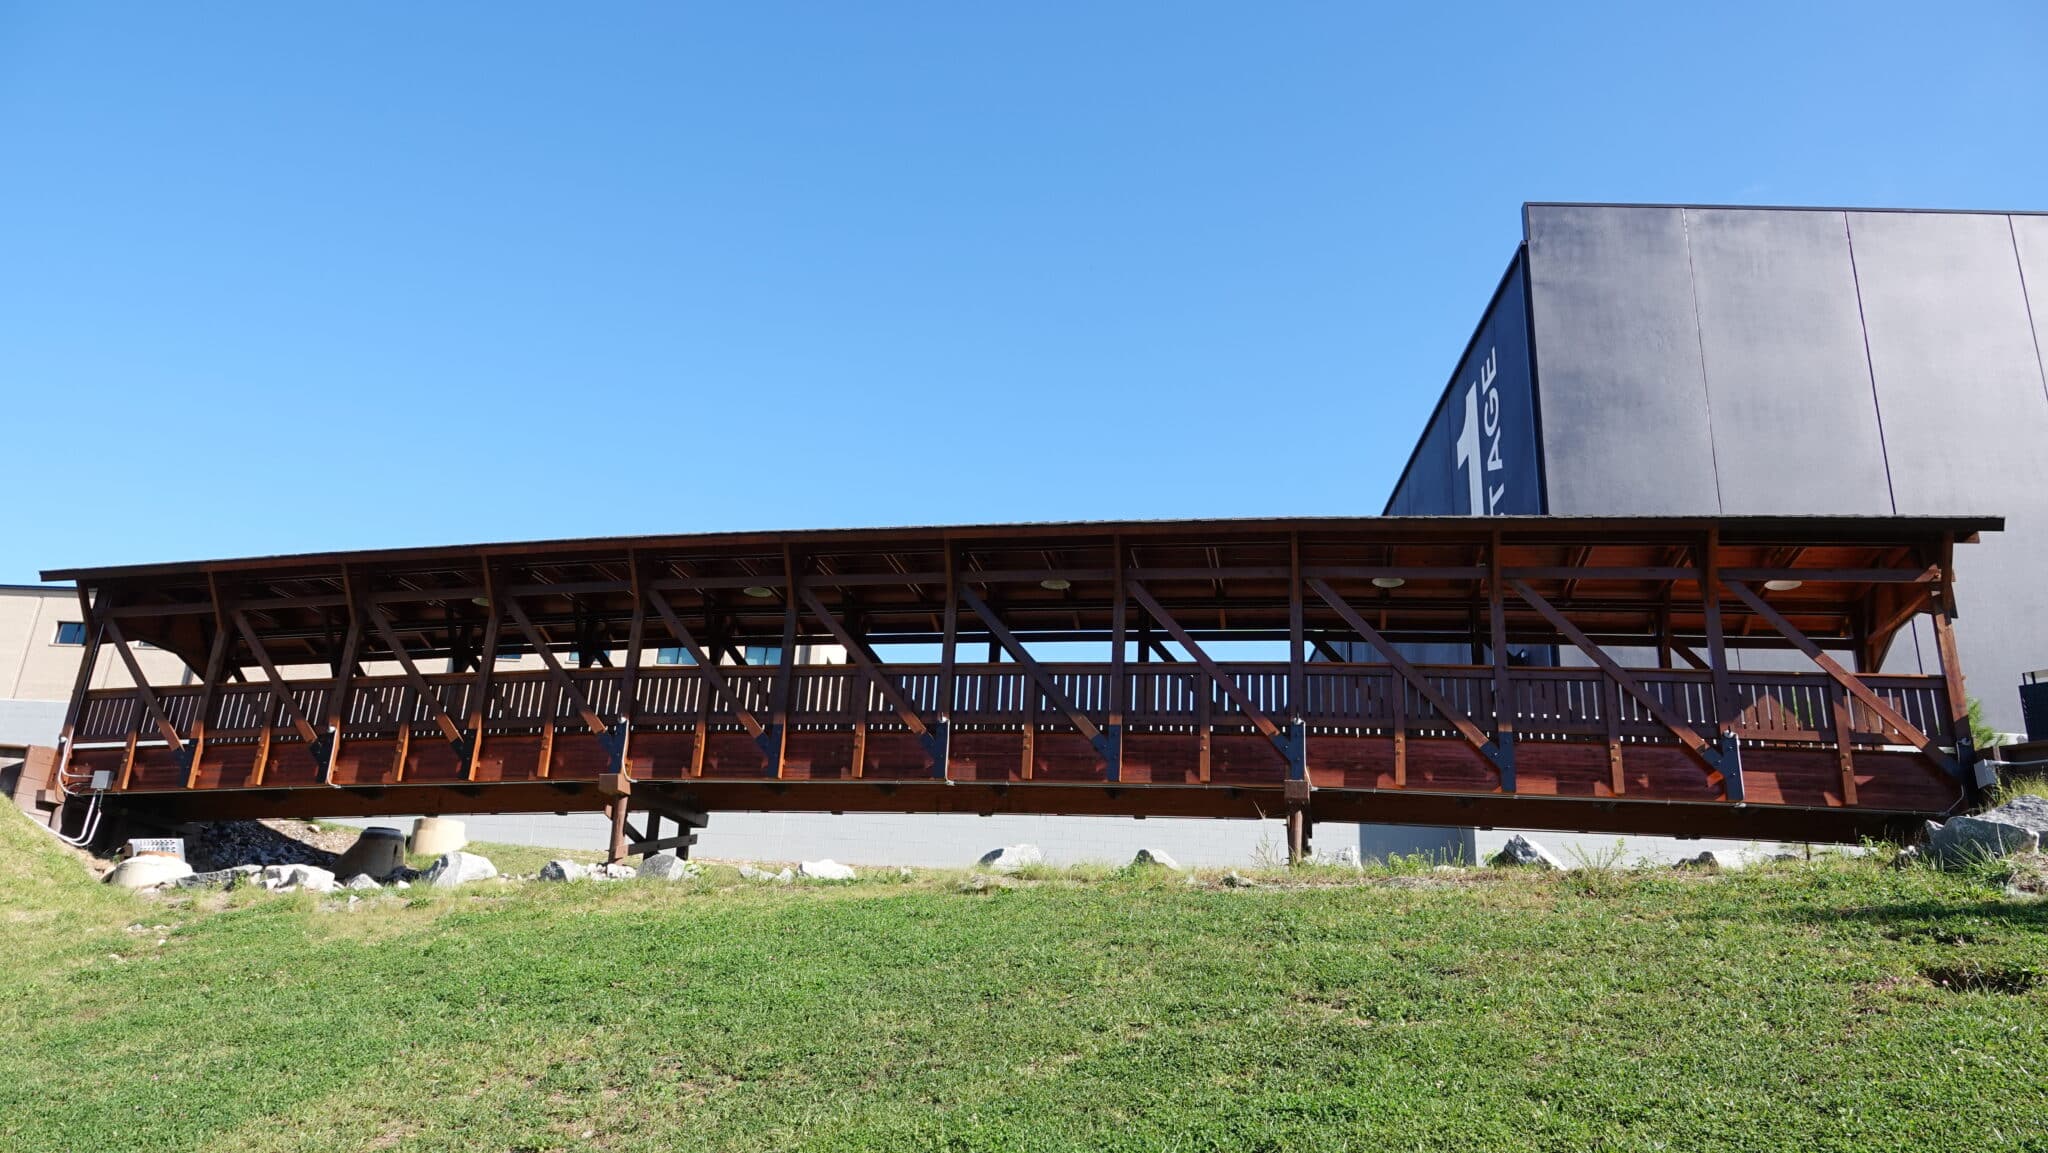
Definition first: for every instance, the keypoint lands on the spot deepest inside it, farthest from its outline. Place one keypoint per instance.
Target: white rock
(1155, 857)
(1521, 851)
(361, 881)
(1967, 839)
(1011, 858)
(611, 872)
(147, 872)
(458, 868)
(1236, 880)
(401, 884)
(825, 870)
(285, 878)
(668, 867)
(563, 870)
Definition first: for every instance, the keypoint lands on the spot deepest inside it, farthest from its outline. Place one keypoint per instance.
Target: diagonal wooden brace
(707, 665)
(1846, 679)
(556, 672)
(1107, 743)
(1501, 758)
(1723, 771)
(1291, 743)
(318, 745)
(931, 741)
(164, 727)
(450, 729)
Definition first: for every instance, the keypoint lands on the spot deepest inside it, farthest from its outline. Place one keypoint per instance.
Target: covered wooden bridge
(1679, 676)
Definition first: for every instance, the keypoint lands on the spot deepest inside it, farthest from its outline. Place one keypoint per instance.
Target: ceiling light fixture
(481, 602)
(1056, 584)
(1387, 582)
(1782, 586)
(759, 592)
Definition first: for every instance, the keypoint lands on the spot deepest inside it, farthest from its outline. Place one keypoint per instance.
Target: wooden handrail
(1773, 714)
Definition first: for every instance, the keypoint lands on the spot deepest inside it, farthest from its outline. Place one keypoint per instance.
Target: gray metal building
(1665, 359)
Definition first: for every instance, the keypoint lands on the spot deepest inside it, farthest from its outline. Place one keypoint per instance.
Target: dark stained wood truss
(1341, 712)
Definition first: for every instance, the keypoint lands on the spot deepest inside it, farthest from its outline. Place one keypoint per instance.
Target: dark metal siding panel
(2030, 244)
(1618, 361)
(1482, 438)
(1964, 414)
(1794, 422)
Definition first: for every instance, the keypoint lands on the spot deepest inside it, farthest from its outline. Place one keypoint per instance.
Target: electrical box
(102, 780)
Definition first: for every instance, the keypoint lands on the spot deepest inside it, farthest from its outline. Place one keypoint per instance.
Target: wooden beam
(1224, 681)
(707, 665)
(447, 724)
(1457, 720)
(555, 670)
(776, 743)
(96, 626)
(209, 695)
(486, 669)
(1692, 741)
(949, 644)
(1036, 671)
(278, 688)
(1845, 678)
(155, 707)
(1297, 643)
(864, 660)
(1503, 688)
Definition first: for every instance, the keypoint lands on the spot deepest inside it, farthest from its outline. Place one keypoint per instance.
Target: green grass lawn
(1786, 1008)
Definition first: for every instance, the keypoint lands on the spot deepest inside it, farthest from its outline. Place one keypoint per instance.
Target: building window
(676, 655)
(70, 632)
(508, 653)
(764, 654)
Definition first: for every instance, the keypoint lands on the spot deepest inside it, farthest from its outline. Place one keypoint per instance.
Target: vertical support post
(1297, 670)
(95, 630)
(776, 739)
(1205, 692)
(1958, 698)
(1397, 704)
(636, 639)
(1845, 757)
(1119, 635)
(1503, 689)
(1030, 702)
(617, 851)
(401, 748)
(1725, 709)
(486, 663)
(949, 659)
(1610, 711)
(1299, 831)
(714, 638)
(337, 700)
(209, 695)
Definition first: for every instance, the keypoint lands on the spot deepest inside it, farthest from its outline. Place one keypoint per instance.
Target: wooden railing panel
(1550, 704)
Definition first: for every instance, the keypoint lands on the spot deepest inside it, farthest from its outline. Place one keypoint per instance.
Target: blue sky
(282, 278)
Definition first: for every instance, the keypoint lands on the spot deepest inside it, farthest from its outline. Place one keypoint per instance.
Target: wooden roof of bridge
(1618, 578)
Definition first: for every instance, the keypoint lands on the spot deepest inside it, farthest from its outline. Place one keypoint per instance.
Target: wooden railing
(1550, 704)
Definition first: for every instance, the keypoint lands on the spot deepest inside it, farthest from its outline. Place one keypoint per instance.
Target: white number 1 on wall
(1481, 498)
